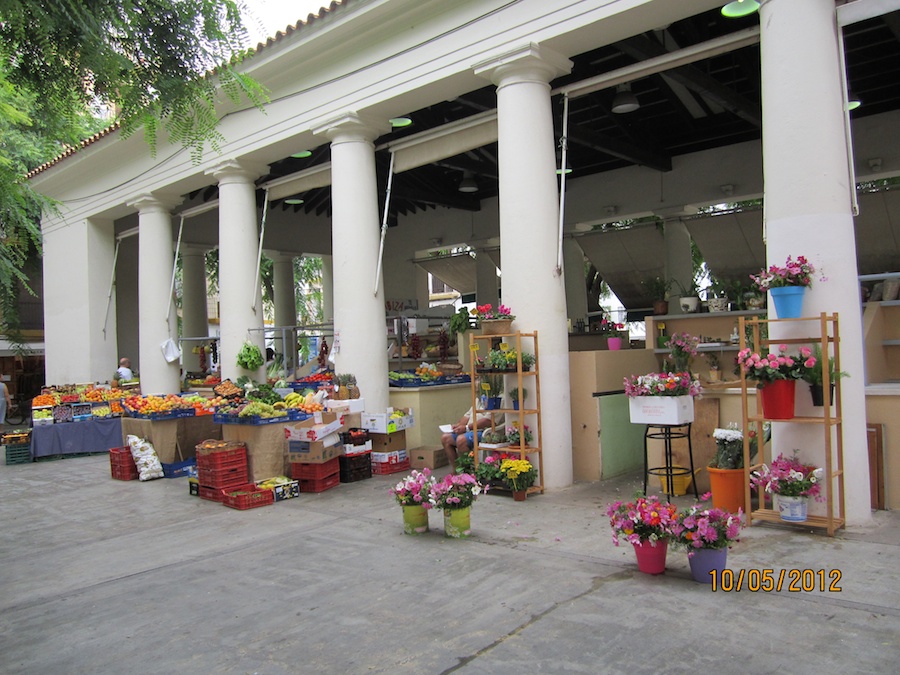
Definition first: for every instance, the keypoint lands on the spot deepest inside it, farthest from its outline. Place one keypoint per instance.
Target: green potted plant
(516, 398)
(459, 323)
(689, 300)
(658, 290)
(813, 367)
(492, 390)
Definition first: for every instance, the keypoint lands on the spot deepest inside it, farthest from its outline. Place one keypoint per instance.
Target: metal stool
(667, 432)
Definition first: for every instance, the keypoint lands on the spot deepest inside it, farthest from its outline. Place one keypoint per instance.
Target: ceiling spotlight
(468, 184)
(400, 122)
(625, 100)
(303, 154)
(293, 201)
(853, 102)
(739, 8)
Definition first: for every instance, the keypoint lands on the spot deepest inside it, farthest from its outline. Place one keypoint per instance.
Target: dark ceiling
(709, 104)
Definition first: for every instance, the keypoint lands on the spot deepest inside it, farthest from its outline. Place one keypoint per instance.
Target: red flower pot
(778, 399)
(651, 559)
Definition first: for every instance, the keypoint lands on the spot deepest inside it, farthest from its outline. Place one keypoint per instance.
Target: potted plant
(682, 347)
(814, 375)
(454, 495)
(713, 360)
(706, 534)
(413, 493)
(776, 376)
(646, 523)
(515, 438)
(726, 469)
(518, 475)
(493, 321)
(493, 438)
(661, 398)
(459, 323)
(488, 470)
(658, 290)
(793, 481)
(612, 331)
(689, 300)
(492, 391)
(787, 285)
(517, 396)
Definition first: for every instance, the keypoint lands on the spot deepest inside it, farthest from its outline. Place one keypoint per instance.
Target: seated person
(461, 437)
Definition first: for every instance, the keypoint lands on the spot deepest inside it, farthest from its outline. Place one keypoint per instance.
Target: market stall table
(174, 440)
(96, 435)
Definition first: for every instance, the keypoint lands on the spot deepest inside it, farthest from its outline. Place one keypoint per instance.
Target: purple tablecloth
(76, 437)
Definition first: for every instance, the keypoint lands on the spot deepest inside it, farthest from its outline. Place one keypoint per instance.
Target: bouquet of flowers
(662, 384)
(518, 474)
(483, 312)
(682, 347)
(794, 273)
(455, 491)
(415, 489)
(771, 367)
(610, 328)
(645, 519)
(700, 527)
(514, 437)
(788, 476)
(488, 469)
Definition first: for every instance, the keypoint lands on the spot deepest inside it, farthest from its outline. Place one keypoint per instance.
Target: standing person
(462, 435)
(124, 371)
(5, 401)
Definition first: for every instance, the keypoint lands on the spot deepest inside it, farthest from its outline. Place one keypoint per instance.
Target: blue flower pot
(788, 301)
(705, 560)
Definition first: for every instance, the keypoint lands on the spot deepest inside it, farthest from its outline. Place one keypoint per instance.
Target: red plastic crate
(385, 468)
(247, 497)
(221, 458)
(211, 493)
(121, 457)
(315, 471)
(223, 478)
(320, 485)
(124, 472)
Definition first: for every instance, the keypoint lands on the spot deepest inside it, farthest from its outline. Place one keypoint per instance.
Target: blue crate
(179, 469)
(222, 418)
(256, 420)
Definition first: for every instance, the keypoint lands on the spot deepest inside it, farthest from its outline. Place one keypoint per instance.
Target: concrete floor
(105, 576)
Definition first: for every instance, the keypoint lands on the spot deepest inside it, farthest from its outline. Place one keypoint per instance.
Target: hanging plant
(250, 357)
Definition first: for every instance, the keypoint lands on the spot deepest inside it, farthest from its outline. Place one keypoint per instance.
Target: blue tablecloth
(76, 437)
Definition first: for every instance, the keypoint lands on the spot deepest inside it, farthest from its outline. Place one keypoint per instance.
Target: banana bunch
(271, 483)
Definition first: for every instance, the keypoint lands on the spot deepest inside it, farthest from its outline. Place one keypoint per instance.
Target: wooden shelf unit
(827, 337)
(527, 379)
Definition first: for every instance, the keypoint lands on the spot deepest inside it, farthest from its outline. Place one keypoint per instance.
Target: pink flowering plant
(700, 526)
(662, 384)
(797, 272)
(682, 347)
(610, 328)
(646, 519)
(790, 477)
(485, 312)
(455, 491)
(415, 489)
(770, 367)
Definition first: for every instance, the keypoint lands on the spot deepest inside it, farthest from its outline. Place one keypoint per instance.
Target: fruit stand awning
(626, 257)
(457, 271)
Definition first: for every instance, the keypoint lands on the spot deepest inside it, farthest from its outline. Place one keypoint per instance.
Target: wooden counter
(432, 406)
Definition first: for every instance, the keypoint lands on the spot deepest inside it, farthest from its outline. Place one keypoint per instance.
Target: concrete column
(486, 288)
(576, 293)
(533, 286)
(679, 265)
(359, 315)
(328, 289)
(808, 212)
(194, 316)
(79, 320)
(155, 260)
(285, 306)
(240, 307)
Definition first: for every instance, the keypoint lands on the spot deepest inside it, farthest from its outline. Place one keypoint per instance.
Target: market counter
(173, 440)
(434, 405)
(69, 438)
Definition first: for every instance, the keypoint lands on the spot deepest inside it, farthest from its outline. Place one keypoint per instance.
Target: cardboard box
(428, 457)
(357, 449)
(388, 442)
(351, 420)
(383, 423)
(320, 425)
(314, 452)
(350, 405)
(286, 491)
(671, 410)
(394, 457)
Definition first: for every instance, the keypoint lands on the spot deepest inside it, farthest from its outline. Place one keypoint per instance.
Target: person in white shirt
(462, 435)
(124, 370)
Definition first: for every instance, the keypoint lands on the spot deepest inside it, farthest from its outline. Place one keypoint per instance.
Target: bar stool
(668, 432)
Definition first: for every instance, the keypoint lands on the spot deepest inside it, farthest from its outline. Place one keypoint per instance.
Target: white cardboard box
(383, 423)
(320, 425)
(394, 457)
(350, 405)
(668, 410)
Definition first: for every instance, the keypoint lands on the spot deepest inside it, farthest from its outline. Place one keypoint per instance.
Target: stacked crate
(356, 462)
(221, 465)
(317, 477)
(389, 453)
(121, 464)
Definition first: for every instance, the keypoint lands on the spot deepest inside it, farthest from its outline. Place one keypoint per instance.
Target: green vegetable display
(250, 356)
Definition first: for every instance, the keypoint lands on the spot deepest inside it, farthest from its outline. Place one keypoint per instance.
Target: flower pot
(717, 304)
(661, 409)
(817, 392)
(651, 559)
(705, 560)
(788, 301)
(415, 519)
(680, 482)
(778, 399)
(515, 405)
(494, 403)
(689, 304)
(727, 486)
(457, 523)
(792, 509)
(714, 376)
(660, 307)
(496, 326)
(520, 495)
(614, 343)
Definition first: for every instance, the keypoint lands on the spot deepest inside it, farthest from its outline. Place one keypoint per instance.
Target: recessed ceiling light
(303, 154)
(399, 122)
(293, 201)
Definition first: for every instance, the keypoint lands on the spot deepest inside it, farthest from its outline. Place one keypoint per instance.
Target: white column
(327, 289)
(240, 308)
(285, 305)
(533, 286)
(156, 312)
(486, 289)
(194, 317)
(808, 212)
(679, 265)
(359, 314)
(576, 292)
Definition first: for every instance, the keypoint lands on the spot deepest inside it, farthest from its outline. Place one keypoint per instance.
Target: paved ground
(104, 576)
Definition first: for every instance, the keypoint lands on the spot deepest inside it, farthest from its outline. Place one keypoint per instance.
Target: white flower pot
(661, 409)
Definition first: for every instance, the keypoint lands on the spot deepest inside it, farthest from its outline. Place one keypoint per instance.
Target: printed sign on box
(320, 425)
(386, 422)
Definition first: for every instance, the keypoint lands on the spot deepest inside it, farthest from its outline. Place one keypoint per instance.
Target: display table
(76, 437)
(433, 406)
(174, 440)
